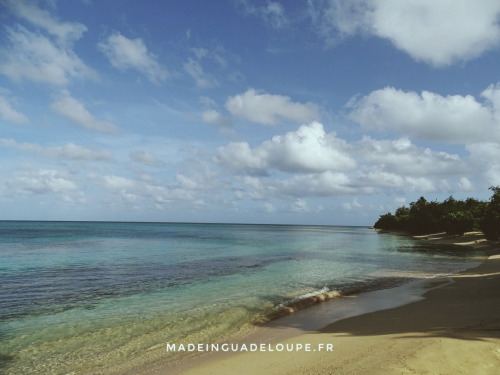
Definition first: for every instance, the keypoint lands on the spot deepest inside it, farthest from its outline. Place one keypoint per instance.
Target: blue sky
(309, 112)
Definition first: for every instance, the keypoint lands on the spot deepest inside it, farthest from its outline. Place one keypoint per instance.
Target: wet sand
(453, 329)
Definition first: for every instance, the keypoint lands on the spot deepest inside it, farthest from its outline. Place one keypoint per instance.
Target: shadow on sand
(465, 306)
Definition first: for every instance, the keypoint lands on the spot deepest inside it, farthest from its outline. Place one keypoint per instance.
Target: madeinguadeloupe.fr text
(253, 347)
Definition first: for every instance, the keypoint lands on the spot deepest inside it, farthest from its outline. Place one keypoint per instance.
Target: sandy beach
(453, 329)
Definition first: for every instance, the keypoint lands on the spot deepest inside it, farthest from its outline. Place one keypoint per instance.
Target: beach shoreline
(439, 315)
(138, 303)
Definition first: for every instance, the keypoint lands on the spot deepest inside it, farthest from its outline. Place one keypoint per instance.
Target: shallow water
(79, 296)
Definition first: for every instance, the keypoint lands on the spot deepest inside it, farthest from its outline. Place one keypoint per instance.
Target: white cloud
(325, 184)
(32, 56)
(207, 102)
(270, 109)
(117, 182)
(75, 111)
(188, 182)
(8, 113)
(321, 164)
(437, 32)
(405, 159)
(484, 152)
(430, 116)
(273, 13)
(43, 181)
(375, 180)
(336, 19)
(202, 79)
(69, 151)
(256, 188)
(300, 186)
(312, 163)
(146, 158)
(210, 65)
(308, 149)
(124, 54)
(492, 95)
(485, 160)
(145, 192)
(223, 123)
(239, 156)
(66, 32)
(465, 184)
(216, 53)
(353, 205)
(211, 116)
(268, 207)
(299, 205)
(492, 175)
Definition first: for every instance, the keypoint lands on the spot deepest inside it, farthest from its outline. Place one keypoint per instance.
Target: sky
(245, 111)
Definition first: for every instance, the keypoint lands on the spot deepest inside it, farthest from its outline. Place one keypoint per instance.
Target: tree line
(451, 216)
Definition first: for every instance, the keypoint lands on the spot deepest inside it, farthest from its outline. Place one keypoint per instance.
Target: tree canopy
(451, 216)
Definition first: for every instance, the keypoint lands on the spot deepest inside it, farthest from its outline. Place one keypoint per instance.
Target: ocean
(83, 297)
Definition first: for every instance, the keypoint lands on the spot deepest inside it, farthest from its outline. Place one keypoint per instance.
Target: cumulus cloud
(202, 79)
(134, 191)
(268, 207)
(350, 206)
(221, 122)
(32, 56)
(69, 151)
(492, 95)
(188, 182)
(308, 149)
(484, 151)
(66, 32)
(75, 111)
(337, 19)
(430, 116)
(210, 65)
(273, 13)
(145, 192)
(376, 179)
(485, 159)
(324, 184)
(42, 50)
(398, 165)
(309, 162)
(146, 158)
(9, 113)
(211, 116)
(238, 156)
(299, 205)
(216, 54)
(267, 109)
(437, 32)
(298, 186)
(43, 181)
(465, 184)
(403, 158)
(124, 53)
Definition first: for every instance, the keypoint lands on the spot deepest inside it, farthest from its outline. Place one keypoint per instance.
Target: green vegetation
(451, 216)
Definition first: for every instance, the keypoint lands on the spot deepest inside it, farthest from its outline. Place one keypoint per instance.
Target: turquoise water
(77, 297)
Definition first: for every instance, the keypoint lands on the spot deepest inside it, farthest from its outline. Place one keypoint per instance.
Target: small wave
(301, 302)
(325, 294)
